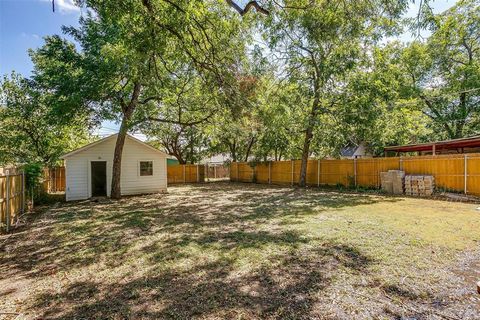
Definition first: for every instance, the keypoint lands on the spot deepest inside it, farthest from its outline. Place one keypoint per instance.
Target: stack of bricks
(392, 181)
(419, 185)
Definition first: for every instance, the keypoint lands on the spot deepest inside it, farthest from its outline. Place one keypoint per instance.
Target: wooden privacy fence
(185, 173)
(217, 171)
(12, 198)
(459, 173)
(54, 179)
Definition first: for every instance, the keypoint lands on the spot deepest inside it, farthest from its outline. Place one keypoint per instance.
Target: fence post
(270, 172)
(238, 178)
(318, 173)
(293, 164)
(401, 163)
(198, 173)
(184, 177)
(355, 171)
(23, 192)
(7, 211)
(215, 172)
(55, 179)
(465, 174)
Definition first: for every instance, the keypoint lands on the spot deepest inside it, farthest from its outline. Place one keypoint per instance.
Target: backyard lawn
(243, 251)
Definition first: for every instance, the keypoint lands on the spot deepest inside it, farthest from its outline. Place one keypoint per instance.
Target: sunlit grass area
(243, 251)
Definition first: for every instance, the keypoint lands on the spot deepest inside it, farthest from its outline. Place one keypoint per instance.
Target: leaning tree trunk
(116, 191)
(249, 148)
(308, 140)
(117, 160)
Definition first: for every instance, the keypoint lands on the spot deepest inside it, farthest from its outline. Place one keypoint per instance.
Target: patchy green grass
(245, 251)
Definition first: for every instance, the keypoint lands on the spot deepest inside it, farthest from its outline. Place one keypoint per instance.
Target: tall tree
(444, 71)
(319, 42)
(129, 50)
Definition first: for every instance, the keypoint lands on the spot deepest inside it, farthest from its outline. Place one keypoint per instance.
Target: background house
(88, 170)
(353, 151)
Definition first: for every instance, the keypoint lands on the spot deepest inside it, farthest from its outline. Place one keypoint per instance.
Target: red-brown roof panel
(448, 144)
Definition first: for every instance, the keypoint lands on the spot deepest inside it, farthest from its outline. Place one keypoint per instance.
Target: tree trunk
(116, 192)
(180, 159)
(308, 139)
(462, 119)
(249, 148)
(305, 153)
(233, 151)
(117, 159)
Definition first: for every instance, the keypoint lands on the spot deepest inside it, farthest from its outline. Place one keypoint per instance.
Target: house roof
(90, 145)
(469, 142)
(348, 151)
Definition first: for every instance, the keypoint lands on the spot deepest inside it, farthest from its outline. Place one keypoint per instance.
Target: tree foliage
(29, 132)
(270, 80)
(443, 72)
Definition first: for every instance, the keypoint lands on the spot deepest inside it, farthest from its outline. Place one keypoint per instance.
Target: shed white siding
(78, 167)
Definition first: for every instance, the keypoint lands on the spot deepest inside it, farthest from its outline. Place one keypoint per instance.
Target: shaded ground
(226, 250)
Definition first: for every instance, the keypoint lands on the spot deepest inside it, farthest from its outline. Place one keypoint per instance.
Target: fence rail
(459, 173)
(12, 198)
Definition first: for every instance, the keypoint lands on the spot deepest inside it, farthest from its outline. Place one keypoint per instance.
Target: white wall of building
(78, 167)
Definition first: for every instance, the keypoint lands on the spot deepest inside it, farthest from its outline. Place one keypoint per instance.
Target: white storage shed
(88, 170)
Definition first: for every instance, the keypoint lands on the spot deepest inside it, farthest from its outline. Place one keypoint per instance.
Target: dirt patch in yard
(226, 250)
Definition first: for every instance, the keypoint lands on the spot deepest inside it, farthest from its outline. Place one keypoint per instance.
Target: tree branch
(248, 7)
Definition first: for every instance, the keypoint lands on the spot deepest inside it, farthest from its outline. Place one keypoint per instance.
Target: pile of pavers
(392, 181)
(419, 185)
(396, 182)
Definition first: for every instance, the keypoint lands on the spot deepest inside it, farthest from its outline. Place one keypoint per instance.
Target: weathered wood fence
(217, 171)
(12, 198)
(54, 179)
(459, 173)
(185, 173)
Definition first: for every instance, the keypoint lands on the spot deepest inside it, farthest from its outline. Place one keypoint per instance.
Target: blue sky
(23, 24)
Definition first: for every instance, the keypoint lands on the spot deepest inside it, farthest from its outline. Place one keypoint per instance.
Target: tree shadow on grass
(216, 217)
(286, 288)
(77, 233)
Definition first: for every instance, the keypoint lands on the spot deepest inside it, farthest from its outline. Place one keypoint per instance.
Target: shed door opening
(99, 178)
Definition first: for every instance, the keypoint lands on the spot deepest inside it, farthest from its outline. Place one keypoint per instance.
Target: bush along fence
(12, 198)
(459, 173)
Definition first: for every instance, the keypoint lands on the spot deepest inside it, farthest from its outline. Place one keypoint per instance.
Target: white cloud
(64, 6)
(30, 36)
